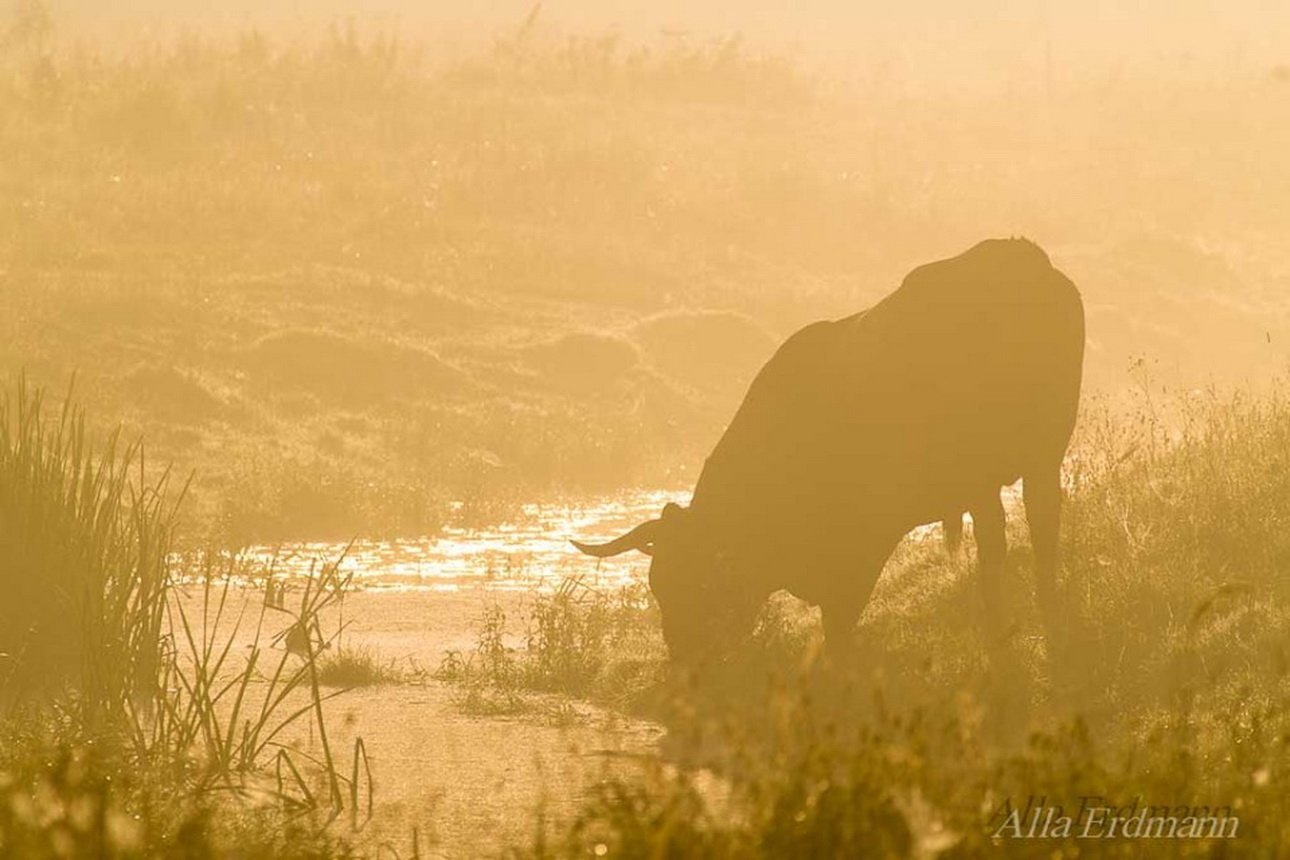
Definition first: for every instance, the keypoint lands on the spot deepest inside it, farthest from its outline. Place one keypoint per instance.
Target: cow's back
(971, 370)
(965, 377)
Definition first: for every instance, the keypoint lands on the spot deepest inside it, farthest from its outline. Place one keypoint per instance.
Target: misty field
(350, 286)
(342, 287)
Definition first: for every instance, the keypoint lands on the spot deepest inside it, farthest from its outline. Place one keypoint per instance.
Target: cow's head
(705, 607)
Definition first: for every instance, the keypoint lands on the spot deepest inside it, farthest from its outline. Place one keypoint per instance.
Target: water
(532, 553)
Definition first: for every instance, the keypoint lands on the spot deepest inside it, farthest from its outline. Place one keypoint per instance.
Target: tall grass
(232, 711)
(137, 719)
(1177, 548)
(84, 538)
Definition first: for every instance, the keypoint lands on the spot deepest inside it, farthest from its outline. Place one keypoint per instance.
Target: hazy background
(377, 266)
(937, 43)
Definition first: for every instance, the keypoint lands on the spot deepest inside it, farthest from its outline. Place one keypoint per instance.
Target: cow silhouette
(963, 380)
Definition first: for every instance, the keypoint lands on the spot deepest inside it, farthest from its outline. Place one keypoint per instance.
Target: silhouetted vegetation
(133, 723)
(81, 537)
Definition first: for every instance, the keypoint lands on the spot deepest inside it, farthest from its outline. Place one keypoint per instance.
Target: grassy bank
(1166, 685)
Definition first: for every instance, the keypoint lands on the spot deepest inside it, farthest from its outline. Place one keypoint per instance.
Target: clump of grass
(588, 644)
(488, 675)
(579, 642)
(356, 667)
(606, 648)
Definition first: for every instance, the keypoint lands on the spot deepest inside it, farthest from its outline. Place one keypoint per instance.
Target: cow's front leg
(839, 627)
(841, 610)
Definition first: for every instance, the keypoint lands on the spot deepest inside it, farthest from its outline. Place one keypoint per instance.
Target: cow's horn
(641, 538)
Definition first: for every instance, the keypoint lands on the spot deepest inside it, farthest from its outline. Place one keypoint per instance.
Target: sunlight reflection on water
(531, 554)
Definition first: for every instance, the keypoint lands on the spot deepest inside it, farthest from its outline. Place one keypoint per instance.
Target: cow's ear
(672, 510)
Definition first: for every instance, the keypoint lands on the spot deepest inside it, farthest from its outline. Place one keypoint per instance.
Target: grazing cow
(857, 430)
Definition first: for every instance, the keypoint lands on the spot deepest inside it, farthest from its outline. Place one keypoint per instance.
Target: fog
(942, 45)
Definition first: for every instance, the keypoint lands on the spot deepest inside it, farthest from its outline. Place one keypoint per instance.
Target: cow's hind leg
(952, 526)
(1043, 494)
(1006, 690)
(988, 527)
